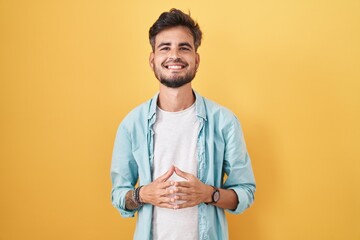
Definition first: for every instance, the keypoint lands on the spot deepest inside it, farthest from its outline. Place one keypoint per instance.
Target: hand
(156, 193)
(192, 191)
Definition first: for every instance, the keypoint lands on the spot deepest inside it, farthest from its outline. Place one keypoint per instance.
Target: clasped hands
(183, 194)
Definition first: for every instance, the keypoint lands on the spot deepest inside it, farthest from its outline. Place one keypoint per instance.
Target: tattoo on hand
(130, 203)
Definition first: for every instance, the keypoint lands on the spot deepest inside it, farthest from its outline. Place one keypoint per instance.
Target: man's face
(174, 60)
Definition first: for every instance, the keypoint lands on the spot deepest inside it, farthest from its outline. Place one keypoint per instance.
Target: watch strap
(216, 190)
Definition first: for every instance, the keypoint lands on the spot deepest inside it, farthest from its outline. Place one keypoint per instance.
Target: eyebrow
(185, 44)
(163, 44)
(180, 44)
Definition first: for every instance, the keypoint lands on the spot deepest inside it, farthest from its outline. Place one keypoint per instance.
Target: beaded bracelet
(136, 196)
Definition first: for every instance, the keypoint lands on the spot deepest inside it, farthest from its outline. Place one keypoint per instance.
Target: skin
(174, 47)
(174, 58)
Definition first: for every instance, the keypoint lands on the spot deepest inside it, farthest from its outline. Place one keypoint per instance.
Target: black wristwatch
(215, 195)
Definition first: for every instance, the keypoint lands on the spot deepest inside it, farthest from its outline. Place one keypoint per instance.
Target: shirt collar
(152, 107)
(199, 105)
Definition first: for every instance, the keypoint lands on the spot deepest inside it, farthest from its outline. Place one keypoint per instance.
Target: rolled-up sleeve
(237, 166)
(124, 172)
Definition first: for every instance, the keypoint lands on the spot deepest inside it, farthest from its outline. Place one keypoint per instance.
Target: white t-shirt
(175, 143)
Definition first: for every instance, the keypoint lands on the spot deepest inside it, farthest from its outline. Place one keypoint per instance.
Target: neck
(176, 99)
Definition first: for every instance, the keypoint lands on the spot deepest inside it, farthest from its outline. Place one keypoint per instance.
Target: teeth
(174, 67)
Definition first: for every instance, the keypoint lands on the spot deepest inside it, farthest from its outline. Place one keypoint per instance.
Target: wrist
(215, 195)
(208, 195)
(141, 194)
(136, 196)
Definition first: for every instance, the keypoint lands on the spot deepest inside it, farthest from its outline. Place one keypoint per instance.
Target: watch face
(216, 196)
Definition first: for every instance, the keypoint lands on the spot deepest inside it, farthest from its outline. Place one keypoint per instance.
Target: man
(180, 146)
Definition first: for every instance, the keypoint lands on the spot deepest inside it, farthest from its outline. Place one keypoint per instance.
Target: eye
(185, 49)
(164, 49)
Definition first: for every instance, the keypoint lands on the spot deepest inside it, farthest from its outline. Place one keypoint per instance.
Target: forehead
(174, 35)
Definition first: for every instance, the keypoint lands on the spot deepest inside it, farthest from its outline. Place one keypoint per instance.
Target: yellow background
(71, 70)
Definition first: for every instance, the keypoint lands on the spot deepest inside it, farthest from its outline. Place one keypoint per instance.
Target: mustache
(176, 60)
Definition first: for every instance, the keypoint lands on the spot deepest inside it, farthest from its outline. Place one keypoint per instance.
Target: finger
(166, 175)
(166, 200)
(162, 193)
(186, 205)
(168, 205)
(170, 191)
(166, 184)
(183, 174)
(184, 190)
(167, 192)
(185, 197)
(182, 184)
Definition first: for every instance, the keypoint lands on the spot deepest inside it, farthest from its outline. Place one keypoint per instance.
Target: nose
(174, 54)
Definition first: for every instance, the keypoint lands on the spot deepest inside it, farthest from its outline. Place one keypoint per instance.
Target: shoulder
(220, 113)
(136, 117)
(141, 111)
(221, 119)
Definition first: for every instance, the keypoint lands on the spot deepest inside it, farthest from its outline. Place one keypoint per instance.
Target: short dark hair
(173, 18)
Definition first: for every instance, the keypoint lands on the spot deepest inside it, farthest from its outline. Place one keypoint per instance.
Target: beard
(174, 81)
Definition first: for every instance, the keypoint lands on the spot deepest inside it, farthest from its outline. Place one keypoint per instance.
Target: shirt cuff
(244, 200)
(120, 205)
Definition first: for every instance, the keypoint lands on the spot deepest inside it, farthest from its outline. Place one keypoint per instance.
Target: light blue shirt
(221, 154)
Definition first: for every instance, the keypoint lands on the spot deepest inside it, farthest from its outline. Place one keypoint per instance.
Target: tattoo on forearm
(130, 203)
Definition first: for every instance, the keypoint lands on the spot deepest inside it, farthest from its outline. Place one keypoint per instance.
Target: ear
(197, 60)
(151, 60)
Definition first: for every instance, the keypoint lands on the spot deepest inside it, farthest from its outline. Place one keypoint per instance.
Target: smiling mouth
(175, 66)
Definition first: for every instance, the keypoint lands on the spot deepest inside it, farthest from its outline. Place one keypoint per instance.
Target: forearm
(124, 173)
(130, 202)
(228, 199)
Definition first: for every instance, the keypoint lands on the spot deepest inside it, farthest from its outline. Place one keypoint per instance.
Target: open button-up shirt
(223, 161)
